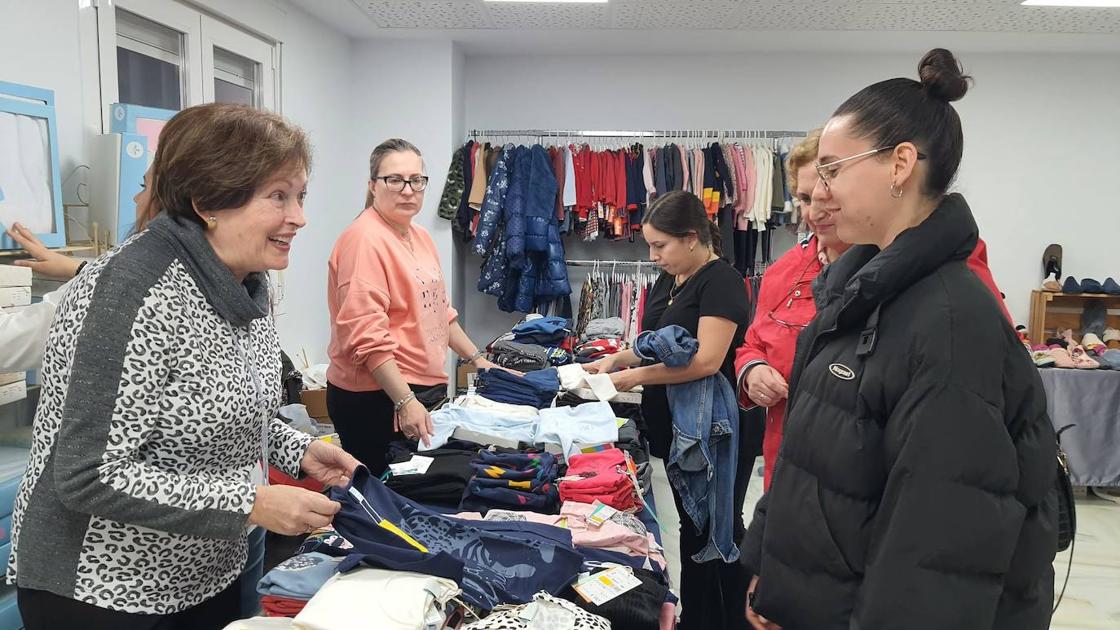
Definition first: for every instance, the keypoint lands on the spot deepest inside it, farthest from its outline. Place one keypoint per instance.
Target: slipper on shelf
(1111, 338)
(1089, 285)
(1091, 341)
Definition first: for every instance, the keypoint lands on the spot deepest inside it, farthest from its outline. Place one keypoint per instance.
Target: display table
(1089, 399)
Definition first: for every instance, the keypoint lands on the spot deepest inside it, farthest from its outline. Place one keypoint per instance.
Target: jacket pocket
(824, 542)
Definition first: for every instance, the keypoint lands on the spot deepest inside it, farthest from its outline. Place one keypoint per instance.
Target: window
(170, 55)
(235, 78)
(150, 63)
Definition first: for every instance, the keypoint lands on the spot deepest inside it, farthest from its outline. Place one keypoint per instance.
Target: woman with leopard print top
(160, 391)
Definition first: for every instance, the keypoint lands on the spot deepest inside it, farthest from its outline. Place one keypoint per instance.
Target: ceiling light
(555, 1)
(1072, 3)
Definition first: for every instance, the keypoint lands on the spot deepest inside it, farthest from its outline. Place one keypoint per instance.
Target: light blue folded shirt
(447, 419)
(589, 423)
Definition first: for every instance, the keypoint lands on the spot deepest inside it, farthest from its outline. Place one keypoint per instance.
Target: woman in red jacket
(785, 302)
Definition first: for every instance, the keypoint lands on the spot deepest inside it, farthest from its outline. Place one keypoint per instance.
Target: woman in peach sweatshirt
(391, 322)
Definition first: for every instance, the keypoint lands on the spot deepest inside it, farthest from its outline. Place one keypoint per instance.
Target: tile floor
(1092, 599)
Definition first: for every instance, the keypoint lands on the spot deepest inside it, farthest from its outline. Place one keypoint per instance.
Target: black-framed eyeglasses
(827, 172)
(396, 183)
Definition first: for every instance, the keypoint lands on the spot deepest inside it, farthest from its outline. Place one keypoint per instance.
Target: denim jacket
(704, 455)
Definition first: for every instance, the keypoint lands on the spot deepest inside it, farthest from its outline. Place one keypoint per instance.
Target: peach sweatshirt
(386, 302)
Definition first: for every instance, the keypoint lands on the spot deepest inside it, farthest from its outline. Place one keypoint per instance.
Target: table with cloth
(1090, 400)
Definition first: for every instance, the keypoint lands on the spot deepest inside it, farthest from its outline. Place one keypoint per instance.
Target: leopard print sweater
(160, 387)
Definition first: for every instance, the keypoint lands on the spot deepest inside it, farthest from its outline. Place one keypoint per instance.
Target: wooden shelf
(1051, 312)
(69, 250)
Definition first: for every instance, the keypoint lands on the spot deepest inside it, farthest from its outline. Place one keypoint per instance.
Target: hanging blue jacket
(540, 201)
(514, 214)
(490, 215)
(704, 453)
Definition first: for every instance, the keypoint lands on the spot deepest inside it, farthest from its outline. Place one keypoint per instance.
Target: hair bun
(942, 76)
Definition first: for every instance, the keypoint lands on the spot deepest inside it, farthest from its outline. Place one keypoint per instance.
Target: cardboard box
(13, 276)
(461, 375)
(316, 402)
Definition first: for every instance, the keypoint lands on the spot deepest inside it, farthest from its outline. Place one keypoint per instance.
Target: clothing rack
(663, 133)
(608, 263)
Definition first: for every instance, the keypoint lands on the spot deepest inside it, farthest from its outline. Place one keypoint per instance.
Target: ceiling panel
(1003, 16)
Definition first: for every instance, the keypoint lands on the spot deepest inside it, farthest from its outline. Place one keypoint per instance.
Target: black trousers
(714, 594)
(43, 610)
(364, 421)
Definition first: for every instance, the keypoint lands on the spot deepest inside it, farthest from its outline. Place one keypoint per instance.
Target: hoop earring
(896, 192)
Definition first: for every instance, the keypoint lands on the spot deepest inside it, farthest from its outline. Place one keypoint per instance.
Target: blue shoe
(1089, 285)
(1071, 286)
(1111, 287)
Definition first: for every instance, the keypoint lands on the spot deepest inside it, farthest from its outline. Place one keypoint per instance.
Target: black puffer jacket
(913, 487)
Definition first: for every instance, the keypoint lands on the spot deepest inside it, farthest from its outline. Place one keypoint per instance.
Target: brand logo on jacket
(842, 372)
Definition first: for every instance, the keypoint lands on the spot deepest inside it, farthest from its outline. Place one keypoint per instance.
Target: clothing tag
(603, 587)
(418, 465)
(621, 421)
(600, 513)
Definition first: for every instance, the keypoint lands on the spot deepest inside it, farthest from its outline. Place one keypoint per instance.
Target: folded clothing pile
(287, 588)
(597, 349)
(388, 600)
(572, 428)
(522, 357)
(445, 480)
(603, 477)
(535, 389)
(494, 563)
(637, 609)
(519, 481)
(480, 422)
(604, 328)
(542, 331)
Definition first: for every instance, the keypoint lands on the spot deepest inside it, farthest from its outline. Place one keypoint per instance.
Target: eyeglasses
(795, 291)
(395, 183)
(827, 172)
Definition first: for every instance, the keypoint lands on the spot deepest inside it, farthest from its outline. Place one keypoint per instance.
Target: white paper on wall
(25, 172)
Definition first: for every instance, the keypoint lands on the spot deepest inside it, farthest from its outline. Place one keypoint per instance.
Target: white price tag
(418, 465)
(606, 585)
(600, 513)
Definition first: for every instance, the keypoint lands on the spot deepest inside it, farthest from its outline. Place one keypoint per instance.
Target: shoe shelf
(1051, 312)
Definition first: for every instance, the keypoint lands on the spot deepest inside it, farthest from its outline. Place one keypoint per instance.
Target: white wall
(53, 44)
(40, 46)
(316, 94)
(1041, 131)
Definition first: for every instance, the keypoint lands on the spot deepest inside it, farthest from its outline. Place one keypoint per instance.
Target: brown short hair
(214, 156)
(803, 154)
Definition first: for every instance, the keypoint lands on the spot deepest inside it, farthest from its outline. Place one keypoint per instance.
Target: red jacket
(783, 307)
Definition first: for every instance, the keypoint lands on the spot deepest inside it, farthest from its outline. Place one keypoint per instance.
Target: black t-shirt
(716, 290)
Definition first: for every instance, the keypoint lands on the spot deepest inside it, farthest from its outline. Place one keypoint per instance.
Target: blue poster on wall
(29, 164)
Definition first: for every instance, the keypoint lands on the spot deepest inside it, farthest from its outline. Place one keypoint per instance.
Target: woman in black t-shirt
(706, 296)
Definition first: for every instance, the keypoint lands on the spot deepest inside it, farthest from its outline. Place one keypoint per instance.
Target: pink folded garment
(610, 536)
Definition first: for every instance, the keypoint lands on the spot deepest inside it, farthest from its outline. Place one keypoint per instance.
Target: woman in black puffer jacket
(913, 485)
